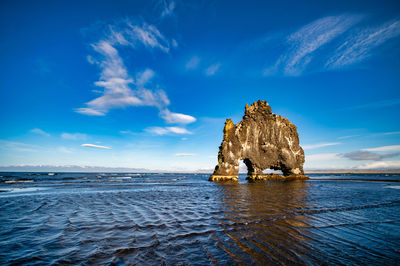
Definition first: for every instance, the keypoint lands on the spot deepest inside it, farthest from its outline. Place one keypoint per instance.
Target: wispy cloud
(308, 39)
(167, 130)
(381, 165)
(193, 62)
(176, 118)
(211, 70)
(320, 145)
(368, 155)
(73, 136)
(89, 111)
(321, 157)
(114, 77)
(359, 46)
(119, 88)
(168, 9)
(144, 77)
(18, 146)
(126, 132)
(348, 137)
(96, 146)
(39, 132)
(331, 43)
(376, 104)
(391, 133)
(148, 35)
(184, 154)
(384, 148)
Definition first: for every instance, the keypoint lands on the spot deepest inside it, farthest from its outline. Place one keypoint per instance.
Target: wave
(18, 181)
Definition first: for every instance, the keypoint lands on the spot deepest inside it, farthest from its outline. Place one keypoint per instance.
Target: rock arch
(262, 140)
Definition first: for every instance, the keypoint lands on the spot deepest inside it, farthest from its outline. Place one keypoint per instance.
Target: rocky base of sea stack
(276, 177)
(223, 178)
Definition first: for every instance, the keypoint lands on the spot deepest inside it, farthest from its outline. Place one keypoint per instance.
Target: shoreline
(353, 171)
(314, 171)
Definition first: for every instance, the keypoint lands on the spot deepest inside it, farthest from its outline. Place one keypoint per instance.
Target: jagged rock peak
(259, 106)
(262, 140)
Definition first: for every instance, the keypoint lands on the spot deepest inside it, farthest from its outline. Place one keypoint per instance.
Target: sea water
(149, 218)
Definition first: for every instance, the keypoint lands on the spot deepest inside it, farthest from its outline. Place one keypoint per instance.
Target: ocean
(156, 218)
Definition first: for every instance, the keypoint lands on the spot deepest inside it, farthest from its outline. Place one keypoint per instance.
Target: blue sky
(149, 84)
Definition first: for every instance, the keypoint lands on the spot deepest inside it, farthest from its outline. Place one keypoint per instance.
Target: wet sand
(184, 219)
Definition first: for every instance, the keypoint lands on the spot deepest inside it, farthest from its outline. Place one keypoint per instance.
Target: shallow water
(125, 218)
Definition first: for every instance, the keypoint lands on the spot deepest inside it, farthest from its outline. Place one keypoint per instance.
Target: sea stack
(263, 140)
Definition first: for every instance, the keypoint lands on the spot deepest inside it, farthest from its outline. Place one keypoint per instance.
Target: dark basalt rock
(262, 140)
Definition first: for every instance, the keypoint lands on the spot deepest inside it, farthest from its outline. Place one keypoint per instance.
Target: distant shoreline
(122, 170)
(353, 171)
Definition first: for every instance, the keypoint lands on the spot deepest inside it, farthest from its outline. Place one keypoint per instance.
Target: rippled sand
(184, 219)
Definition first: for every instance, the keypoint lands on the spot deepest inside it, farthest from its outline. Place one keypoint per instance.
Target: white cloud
(211, 70)
(40, 132)
(331, 43)
(193, 62)
(115, 84)
(348, 137)
(179, 130)
(391, 133)
(96, 146)
(380, 165)
(307, 40)
(113, 100)
(115, 81)
(120, 89)
(184, 154)
(321, 157)
(384, 148)
(167, 130)
(149, 36)
(158, 98)
(176, 118)
(168, 9)
(359, 46)
(74, 136)
(143, 77)
(89, 111)
(320, 145)
(112, 66)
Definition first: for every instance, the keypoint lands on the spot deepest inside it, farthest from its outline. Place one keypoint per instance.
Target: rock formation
(262, 140)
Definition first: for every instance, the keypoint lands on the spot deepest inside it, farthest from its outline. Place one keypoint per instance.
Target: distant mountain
(353, 171)
(242, 169)
(68, 168)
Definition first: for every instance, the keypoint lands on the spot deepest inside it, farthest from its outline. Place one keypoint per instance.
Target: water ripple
(183, 219)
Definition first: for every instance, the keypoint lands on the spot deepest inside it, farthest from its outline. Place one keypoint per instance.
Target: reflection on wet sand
(262, 222)
(182, 219)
